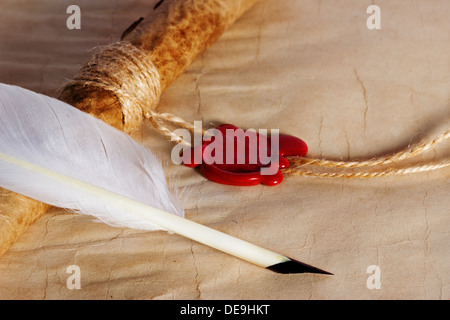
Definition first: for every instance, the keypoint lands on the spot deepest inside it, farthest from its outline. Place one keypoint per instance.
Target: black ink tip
(294, 266)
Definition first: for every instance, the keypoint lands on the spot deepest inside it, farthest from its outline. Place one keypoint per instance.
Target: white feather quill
(51, 134)
(56, 154)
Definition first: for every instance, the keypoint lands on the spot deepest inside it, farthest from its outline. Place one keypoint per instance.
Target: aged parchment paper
(310, 68)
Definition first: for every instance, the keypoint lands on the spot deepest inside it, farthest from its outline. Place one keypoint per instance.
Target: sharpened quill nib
(294, 266)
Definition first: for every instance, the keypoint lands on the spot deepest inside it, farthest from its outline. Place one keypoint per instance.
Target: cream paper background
(310, 68)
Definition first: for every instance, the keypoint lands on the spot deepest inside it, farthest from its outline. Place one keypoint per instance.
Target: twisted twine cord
(371, 174)
(129, 73)
(401, 155)
(131, 76)
(298, 164)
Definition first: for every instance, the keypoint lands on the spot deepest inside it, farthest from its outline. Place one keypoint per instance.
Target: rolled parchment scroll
(122, 83)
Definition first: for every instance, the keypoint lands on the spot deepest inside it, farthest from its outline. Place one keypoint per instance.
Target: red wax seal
(244, 158)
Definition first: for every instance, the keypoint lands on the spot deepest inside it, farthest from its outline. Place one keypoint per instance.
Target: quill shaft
(192, 230)
(184, 227)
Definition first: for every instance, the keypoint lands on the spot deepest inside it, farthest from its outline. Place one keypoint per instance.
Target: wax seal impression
(244, 158)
